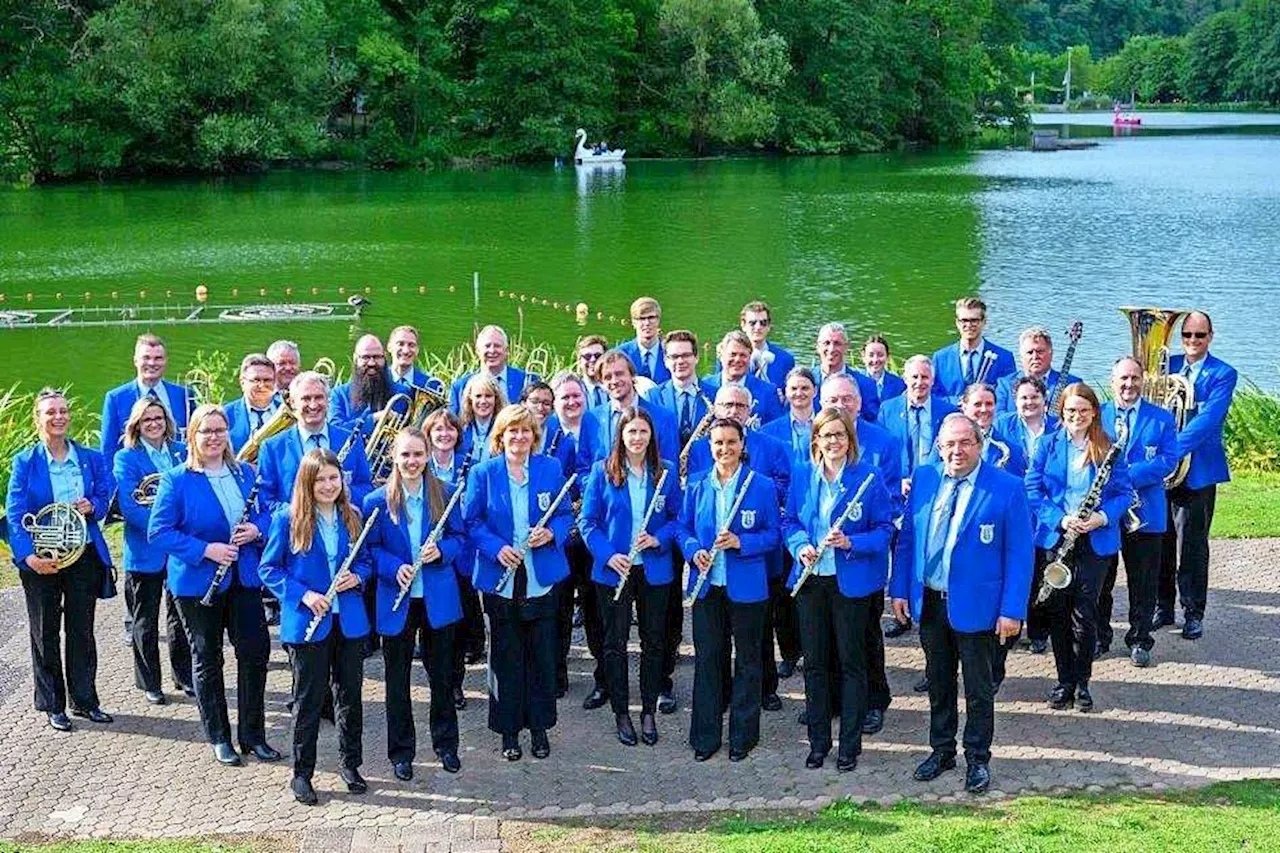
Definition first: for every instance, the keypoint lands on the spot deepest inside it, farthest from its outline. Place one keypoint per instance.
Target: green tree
(1256, 70)
(1211, 49)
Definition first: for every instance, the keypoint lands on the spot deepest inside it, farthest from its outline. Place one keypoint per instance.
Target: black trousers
(64, 602)
(878, 695)
(833, 631)
(468, 635)
(143, 593)
(786, 627)
(944, 649)
(238, 613)
(715, 620)
(674, 631)
(397, 655)
(779, 622)
(523, 649)
(579, 581)
(1185, 561)
(1038, 614)
(615, 617)
(1141, 553)
(1073, 616)
(332, 666)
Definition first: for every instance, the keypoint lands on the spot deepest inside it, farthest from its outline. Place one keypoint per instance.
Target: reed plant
(1252, 432)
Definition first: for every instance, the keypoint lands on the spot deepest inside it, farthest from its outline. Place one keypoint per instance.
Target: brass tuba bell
(58, 531)
(1152, 328)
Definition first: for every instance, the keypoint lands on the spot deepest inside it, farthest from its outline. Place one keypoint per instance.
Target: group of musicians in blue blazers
(982, 496)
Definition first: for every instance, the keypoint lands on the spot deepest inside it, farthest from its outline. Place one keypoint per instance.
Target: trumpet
(58, 532)
(145, 492)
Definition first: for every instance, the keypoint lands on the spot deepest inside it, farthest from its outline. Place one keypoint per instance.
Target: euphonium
(145, 493)
(395, 416)
(58, 531)
(280, 420)
(1151, 329)
(424, 402)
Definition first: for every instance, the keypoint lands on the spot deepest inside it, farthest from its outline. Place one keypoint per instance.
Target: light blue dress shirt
(413, 516)
(64, 476)
(941, 577)
(444, 473)
(636, 487)
(829, 493)
(1079, 478)
(161, 394)
(328, 529)
(226, 488)
(307, 445)
(801, 438)
(480, 439)
(520, 538)
(725, 496)
(160, 456)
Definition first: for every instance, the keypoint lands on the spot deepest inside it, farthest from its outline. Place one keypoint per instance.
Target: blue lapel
(86, 469)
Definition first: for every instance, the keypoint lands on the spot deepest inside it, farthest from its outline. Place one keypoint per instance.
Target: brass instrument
(58, 532)
(145, 492)
(1057, 575)
(1132, 521)
(326, 368)
(1002, 448)
(1151, 328)
(401, 411)
(280, 420)
(200, 381)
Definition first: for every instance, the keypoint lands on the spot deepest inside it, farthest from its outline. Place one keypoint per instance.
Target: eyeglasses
(727, 404)
(963, 444)
(154, 419)
(212, 433)
(1186, 336)
(833, 436)
(969, 321)
(259, 380)
(646, 318)
(679, 356)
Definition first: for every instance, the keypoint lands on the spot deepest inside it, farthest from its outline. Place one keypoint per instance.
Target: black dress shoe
(786, 669)
(262, 752)
(226, 755)
(772, 702)
(897, 629)
(934, 766)
(1039, 647)
(1062, 698)
(459, 699)
(184, 688)
(1161, 619)
(473, 657)
(873, 722)
(815, 759)
(1192, 629)
(155, 697)
(93, 715)
(511, 747)
(403, 770)
(921, 686)
(1100, 649)
(803, 717)
(846, 763)
(60, 721)
(977, 778)
(737, 755)
(648, 729)
(449, 761)
(355, 782)
(1084, 700)
(626, 730)
(303, 792)
(704, 754)
(667, 703)
(597, 698)
(539, 746)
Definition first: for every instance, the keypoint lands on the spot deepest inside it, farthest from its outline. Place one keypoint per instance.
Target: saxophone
(1057, 575)
(1002, 448)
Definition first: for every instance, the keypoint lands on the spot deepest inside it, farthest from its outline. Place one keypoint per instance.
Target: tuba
(1151, 329)
(58, 531)
(280, 420)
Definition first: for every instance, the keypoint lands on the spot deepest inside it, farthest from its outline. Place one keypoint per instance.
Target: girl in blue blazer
(409, 508)
(979, 403)
(207, 518)
(149, 450)
(843, 590)
(1065, 467)
(60, 598)
(875, 362)
(618, 494)
(731, 550)
(519, 563)
(307, 548)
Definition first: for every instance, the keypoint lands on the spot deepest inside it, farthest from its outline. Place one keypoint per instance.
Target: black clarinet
(221, 573)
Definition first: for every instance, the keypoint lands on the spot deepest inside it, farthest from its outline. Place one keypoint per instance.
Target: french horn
(58, 532)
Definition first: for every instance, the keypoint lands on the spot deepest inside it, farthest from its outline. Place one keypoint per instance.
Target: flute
(839, 522)
(634, 554)
(221, 573)
(542, 522)
(432, 538)
(343, 570)
(733, 512)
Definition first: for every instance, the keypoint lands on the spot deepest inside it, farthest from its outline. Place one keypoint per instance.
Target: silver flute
(835, 526)
(542, 522)
(343, 571)
(432, 538)
(634, 554)
(733, 512)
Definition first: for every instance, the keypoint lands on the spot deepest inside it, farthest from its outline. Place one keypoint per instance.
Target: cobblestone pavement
(1206, 711)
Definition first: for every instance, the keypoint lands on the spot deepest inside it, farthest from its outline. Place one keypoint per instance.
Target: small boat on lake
(586, 155)
(1125, 119)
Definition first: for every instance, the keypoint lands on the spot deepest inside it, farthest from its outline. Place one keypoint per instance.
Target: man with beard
(357, 404)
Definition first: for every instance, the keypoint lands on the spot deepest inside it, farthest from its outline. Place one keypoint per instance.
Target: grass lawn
(1248, 507)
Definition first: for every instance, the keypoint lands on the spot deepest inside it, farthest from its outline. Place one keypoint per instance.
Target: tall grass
(1252, 433)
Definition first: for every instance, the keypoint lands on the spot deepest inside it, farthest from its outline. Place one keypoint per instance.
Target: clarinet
(839, 522)
(733, 512)
(343, 571)
(1057, 575)
(221, 573)
(347, 445)
(432, 538)
(542, 522)
(634, 554)
(698, 432)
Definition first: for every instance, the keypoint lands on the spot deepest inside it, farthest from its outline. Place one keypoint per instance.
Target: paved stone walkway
(1207, 711)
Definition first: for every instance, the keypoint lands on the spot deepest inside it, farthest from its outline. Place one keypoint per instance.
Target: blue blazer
(948, 371)
(631, 349)
(864, 568)
(186, 516)
(118, 402)
(893, 417)
(1009, 427)
(1201, 435)
(489, 521)
(889, 386)
(605, 521)
(289, 576)
(30, 489)
(764, 454)
(871, 400)
(993, 557)
(390, 546)
(757, 527)
(779, 429)
(575, 455)
(664, 395)
(767, 405)
(240, 424)
(516, 379)
(1047, 486)
(1016, 464)
(344, 413)
(1152, 453)
(879, 448)
(1005, 400)
(282, 454)
(131, 467)
(664, 423)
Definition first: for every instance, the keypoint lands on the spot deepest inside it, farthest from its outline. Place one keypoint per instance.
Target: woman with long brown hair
(308, 544)
(1061, 475)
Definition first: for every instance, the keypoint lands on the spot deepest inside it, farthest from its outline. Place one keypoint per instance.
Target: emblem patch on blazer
(1151, 452)
(987, 533)
(346, 478)
(855, 512)
(544, 501)
(748, 519)
(659, 503)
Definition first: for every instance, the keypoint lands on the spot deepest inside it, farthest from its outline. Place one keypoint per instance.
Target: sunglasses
(1186, 336)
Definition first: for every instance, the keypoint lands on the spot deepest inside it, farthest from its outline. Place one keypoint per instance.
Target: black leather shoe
(736, 755)
(934, 766)
(1062, 698)
(704, 754)
(802, 718)
(597, 698)
(539, 746)
(846, 763)
(272, 618)
(1039, 647)
(977, 778)
(155, 697)
(459, 699)
(897, 629)
(772, 702)
(1140, 657)
(1084, 699)
(449, 761)
(473, 657)
(626, 730)
(93, 715)
(648, 730)
(303, 792)
(667, 703)
(355, 782)
(511, 747)
(184, 688)
(786, 669)
(226, 755)
(1192, 629)
(403, 770)
(815, 760)
(921, 686)
(1100, 649)
(873, 722)
(262, 752)
(1161, 619)
(60, 721)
